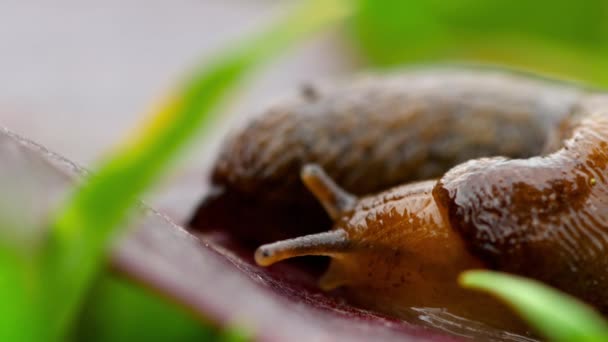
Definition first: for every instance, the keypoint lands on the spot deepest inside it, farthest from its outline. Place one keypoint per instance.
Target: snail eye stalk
(334, 199)
(326, 244)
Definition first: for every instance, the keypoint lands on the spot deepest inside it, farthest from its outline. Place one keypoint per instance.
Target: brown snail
(543, 214)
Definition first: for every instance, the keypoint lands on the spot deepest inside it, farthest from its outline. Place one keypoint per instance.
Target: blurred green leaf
(119, 310)
(563, 38)
(236, 335)
(19, 292)
(554, 314)
(84, 228)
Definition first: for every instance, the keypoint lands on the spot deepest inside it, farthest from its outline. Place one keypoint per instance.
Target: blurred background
(78, 76)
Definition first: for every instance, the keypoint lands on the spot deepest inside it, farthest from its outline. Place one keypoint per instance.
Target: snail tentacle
(325, 244)
(334, 199)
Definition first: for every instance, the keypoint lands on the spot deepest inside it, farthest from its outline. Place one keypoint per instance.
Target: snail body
(539, 210)
(543, 217)
(393, 250)
(375, 132)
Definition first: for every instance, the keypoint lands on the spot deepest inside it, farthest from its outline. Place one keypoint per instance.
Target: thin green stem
(94, 215)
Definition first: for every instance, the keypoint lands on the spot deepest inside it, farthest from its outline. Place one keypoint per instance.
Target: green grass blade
(561, 38)
(19, 290)
(120, 310)
(554, 314)
(84, 228)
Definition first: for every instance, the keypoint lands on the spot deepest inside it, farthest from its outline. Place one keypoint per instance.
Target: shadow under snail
(539, 209)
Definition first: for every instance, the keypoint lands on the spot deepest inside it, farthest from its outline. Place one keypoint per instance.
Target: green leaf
(19, 292)
(554, 314)
(557, 37)
(92, 217)
(119, 310)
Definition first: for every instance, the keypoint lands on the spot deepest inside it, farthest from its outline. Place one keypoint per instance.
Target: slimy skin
(392, 251)
(544, 217)
(513, 174)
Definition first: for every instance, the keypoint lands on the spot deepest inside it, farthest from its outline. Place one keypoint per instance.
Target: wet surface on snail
(403, 254)
(299, 278)
(544, 217)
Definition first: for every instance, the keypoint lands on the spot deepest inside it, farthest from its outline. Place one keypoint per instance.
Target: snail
(433, 172)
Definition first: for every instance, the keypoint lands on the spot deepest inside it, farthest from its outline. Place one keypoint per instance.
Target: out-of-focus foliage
(559, 37)
(43, 289)
(19, 294)
(97, 210)
(554, 314)
(119, 310)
